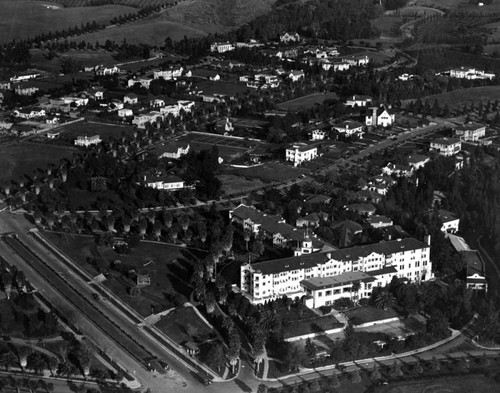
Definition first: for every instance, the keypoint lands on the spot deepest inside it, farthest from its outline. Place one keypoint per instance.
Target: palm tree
(355, 287)
(385, 300)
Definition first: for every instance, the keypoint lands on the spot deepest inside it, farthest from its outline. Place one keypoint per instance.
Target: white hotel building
(326, 277)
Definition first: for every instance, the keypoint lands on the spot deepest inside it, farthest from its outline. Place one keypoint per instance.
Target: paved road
(386, 143)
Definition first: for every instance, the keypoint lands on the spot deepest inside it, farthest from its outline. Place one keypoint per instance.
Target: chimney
(427, 239)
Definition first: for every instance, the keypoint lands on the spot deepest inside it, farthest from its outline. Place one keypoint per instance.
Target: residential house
(349, 128)
(53, 135)
(470, 73)
(381, 116)
(270, 280)
(345, 232)
(470, 132)
(418, 161)
(311, 220)
(446, 146)
(301, 152)
(101, 70)
(476, 272)
(356, 60)
(160, 181)
(397, 170)
(318, 199)
(144, 82)
(287, 37)
(450, 222)
(25, 76)
(296, 75)
(125, 112)
(130, 99)
(157, 103)
(318, 135)
(364, 209)
(169, 74)
(87, 141)
(377, 221)
(5, 85)
(173, 150)
(141, 120)
(362, 101)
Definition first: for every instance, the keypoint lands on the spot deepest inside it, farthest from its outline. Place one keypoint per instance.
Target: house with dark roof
(450, 221)
(446, 146)
(345, 231)
(377, 221)
(318, 199)
(476, 274)
(161, 181)
(418, 161)
(471, 132)
(311, 220)
(268, 280)
(364, 209)
(349, 128)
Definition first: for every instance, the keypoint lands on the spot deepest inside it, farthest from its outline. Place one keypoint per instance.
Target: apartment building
(301, 152)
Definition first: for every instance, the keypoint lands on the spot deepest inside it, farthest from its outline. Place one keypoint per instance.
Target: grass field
(461, 5)
(458, 98)
(21, 19)
(106, 131)
(388, 24)
(306, 101)
(269, 172)
(169, 271)
(24, 158)
(232, 184)
(184, 325)
(84, 58)
(228, 147)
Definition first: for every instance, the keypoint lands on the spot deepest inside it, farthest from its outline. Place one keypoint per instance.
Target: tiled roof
(292, 263)
(384, 270)
(446, 216)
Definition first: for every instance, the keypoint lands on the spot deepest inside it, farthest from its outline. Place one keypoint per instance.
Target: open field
(83, 57)
(232, 184)
(21, 19)
(388, 25)
(86, 3)
(306, 101)
(270, 172)
(360, 315)
(227, 146)
(184, 325)
(151, 30)
(168, 266)
(458, 98)
(106, 131)
(24, 158)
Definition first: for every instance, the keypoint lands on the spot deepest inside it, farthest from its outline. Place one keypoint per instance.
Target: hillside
(228, 13)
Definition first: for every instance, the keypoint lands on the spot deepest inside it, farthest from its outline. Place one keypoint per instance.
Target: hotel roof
(343, 279)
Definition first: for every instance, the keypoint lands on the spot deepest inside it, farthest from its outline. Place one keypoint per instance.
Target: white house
(476, 273)
(174, 151)
(287, 37)
(470, 132)
(144, 82)
(268, 280)
(163, 182)
(125, 112)
(141, 120)
(381, 116)
(470, 73)
(87, 141)
(101, 70)
(318, 135)
(446, 146)
(301, 152)
(169, 74)
(349, 127)
(356, 60)
(358, 101)
(130, 99)
(221, 47)
(450, 222)
(296, 75)
(377, 221)
(418, 161)
(397, 170)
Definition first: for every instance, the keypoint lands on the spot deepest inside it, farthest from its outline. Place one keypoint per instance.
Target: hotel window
(328, 293)
(320, 294)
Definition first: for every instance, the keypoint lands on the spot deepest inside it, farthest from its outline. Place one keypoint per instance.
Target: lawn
(169, 268)
(306, 101)
(183, 325)
(462, 5)
(106, 131)
(270, 172)
(458, 98)
(232, 184)
(21, 19)
(360, 315)
(25, 158)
